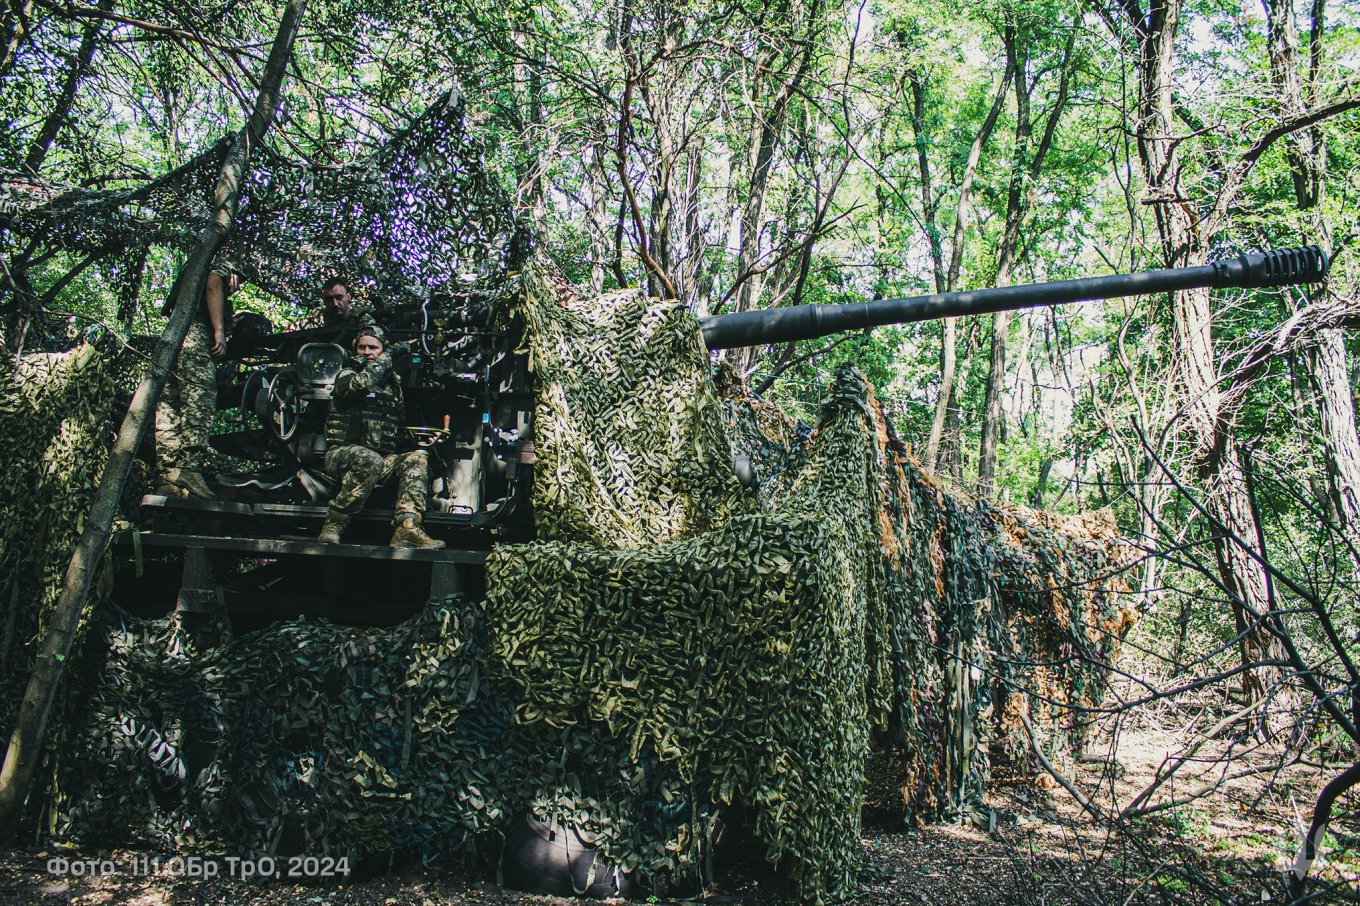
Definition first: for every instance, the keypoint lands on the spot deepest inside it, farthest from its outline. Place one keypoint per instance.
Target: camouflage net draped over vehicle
(753, 660)
(673, 644)
(631, 449)
(302, 738)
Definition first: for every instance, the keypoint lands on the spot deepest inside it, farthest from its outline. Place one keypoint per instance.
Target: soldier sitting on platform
(362, 432)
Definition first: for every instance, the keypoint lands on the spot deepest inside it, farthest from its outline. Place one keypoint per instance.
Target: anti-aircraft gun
(470, 400)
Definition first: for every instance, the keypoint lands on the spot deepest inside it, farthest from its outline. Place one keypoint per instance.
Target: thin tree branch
(86, 12)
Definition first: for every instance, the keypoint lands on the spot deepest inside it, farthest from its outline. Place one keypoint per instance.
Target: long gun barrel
(1280, 267)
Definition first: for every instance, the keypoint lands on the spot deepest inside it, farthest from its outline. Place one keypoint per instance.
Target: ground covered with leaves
(1230, 847)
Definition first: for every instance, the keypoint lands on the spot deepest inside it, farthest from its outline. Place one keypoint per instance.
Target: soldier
(185, 415)
(361, 440)
(338, 306)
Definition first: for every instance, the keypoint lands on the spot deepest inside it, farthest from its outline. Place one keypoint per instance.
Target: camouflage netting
(305, 737)
(672, 645)
(421, 214)
(749, 649)
(54, 412)
(631, 448)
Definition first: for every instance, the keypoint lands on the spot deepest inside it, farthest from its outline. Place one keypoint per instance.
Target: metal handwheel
(255, 382)
(285, 405)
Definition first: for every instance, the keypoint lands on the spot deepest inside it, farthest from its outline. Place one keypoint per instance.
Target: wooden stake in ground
(26, 740)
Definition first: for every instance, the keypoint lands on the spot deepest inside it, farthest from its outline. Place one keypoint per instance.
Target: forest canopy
(737, 157)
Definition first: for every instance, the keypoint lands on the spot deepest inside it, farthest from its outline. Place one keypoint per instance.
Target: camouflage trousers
(359, 469)
(184, 417)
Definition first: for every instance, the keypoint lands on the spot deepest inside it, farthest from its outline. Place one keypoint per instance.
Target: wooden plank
(292, 510)
(375, 514)
(313, 548)
(187, 506)
(197, 507)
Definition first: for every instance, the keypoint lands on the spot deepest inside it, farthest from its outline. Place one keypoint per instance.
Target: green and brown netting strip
(420, 215)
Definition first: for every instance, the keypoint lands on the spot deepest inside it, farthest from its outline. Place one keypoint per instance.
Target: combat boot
(185, 483)
(408, 533)
(330, 530)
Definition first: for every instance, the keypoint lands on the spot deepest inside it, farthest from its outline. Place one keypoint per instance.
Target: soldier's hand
(219, 344)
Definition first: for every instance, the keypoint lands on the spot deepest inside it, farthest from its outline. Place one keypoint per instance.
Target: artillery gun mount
(470, 401)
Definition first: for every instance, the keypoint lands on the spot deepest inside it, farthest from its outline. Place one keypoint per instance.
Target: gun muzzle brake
(1278, 267)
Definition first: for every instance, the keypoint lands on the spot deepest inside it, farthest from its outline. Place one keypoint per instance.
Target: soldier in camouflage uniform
(188, 403)
(340, 308)
(362, 430)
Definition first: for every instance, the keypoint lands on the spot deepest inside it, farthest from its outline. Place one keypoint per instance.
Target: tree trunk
(26, 740)
(1307, 155)
(1018, 195)
(1304, 397)
(1036, 497)
(766, 135)
(1336, 412)
(61, 108)
(929, 204)
(1183, 241)
(1220, 474)
(15, 25)
(949, 345)
(1245, 582)
(992, 402)
(672, 164)
(599, 220)
(949, 353)
(692, 228)
(951, 438)
(1018, 63)
(532, 193)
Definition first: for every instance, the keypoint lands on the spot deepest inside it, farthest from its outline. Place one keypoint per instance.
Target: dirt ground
(1233, 846)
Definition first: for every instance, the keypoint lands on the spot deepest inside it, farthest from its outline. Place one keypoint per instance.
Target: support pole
(26, 740)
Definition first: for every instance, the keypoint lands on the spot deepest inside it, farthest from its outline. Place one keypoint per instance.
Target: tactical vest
(372, 419)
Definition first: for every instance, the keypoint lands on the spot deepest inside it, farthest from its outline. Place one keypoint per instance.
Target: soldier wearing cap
(362, 432)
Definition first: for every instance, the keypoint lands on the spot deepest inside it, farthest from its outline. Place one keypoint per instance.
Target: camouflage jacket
(222, 269)
(361, 315)
(367, 407)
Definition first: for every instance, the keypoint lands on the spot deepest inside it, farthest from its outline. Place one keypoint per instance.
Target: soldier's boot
(330, 529)
(408, 533)
(179, 482)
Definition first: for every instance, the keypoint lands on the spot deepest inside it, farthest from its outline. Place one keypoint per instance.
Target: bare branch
(87, 12)
(1087, 805)
(1227, 193)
